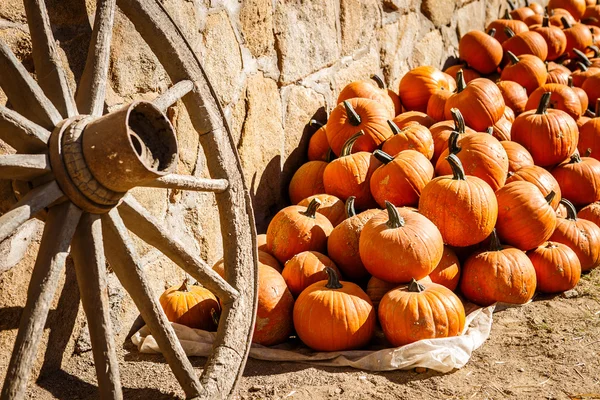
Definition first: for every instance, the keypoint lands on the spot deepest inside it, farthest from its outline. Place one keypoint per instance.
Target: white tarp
(443, 354)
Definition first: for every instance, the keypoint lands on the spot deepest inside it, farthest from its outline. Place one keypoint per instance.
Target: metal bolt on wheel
(80, 165)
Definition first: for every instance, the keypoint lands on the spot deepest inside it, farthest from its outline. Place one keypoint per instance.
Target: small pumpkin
(506, 21)
(591, 86)
(574, 7)
(304, 269)
(318, 146)
(390, 93)
(591, 212)
(557, 267)
(583, 71)
(583, 98)
(589, 135)
(412, 137)
(528, 42)
(578, 36)
(501, 129)
(468, 73)
(518, 156)
(418, 84)
(408, 117)
(541, 178)
(437, 103)
(562, 97)
(527, 70)
(441, 132)
(514, 95)
(447, 272)
(555, 39)
(521, 13)
(307, 181)
(333, 316)
(536, 7)
(193, 306)
(331, 207)
(367, 90)
(557, 73)
(579, 179)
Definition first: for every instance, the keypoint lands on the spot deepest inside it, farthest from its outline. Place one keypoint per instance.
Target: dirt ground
(548, 349)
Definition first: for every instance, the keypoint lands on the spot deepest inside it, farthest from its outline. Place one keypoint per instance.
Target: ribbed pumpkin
(269, 260)
(534, 20)
(354, 115)
(527, 70)
(557, 14)
(501, 129)
(318, 146)
(296, 229)
(349, 175)
(468, 73)
(331, 207)
(342, 245)
(412, 137)
(377, 288)
(575, 7)
(502, 273)
(583, 71)
(583, 97)
(562, 98)
(578, 36)
(525, 218)
(591, 86)
(418, 84)
(589, 135)
(536, 7)
(518, 156)
(463, 207)
(307, 181)
(447, 272)
(579, 179)
(193, 306)
(521, 13)
(480, 50)
(367, 90)
(304, 269)
(554, 37)
(408, 117)
(557, 73)
(528, 42)
(507, 21)
(334, 316)
(582, 236)
(442, 130)
(549, 135)
(437, 104)
(390, 93)
(591, 212)
(399, 244)
(541, 178)
(420, 311)
(557, 267)
(514, 95)
(509, 115)
(400, 179)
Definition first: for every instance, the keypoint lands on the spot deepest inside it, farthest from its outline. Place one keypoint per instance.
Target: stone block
(256, 19)
(429, 50)
(438, 11)
(359, 20)
(396, 43)
(470, 17)
(359, 68)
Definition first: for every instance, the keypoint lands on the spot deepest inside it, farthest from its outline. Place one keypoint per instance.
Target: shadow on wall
(270, 194)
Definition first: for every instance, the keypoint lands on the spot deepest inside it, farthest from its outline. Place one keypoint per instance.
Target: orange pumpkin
(408, 117)
(514, 95)
(557, 73)
(390, 93)
(591, 212)
(583, 72)
(437, 104)
(468, 73)
(578, 36)
(388, 245)
(501, 129)
(367, 90)
(579, 179)
(541, 178)
(441, 132)
(583, 98)
(591, 86)
(518, 156)
(536, 7)
(420, 311)
(377, 288)
(307, 181)
(528, 42)
(557, 267)
(527, 70)
(574, 7)
(334, 316)
(463, 207)
(304, 269)
(418, 84)
(412, 137)
(447, 272)
(193, 306)
(318, 146)
(507, 21)
(589, 135)
(555, 39)
(331, 207)
(562, 98)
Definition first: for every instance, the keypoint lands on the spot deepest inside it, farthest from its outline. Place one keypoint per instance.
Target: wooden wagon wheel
(80, 165)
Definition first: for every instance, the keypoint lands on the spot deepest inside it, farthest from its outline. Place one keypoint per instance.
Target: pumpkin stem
(395, 220)
(382, 156)
(588, 152)
(511, 5)
(415, 287)
(507, 15)
(334, 281)
(589, 113)
(597, 110)
(495, 244)
(184, 286)
(570, 81)
(312, 208)
(457, 168)
(581, 66)
(582, 58)
(511, 56)
(315, 123)
(378, 80)
(350, 211)
(509, 32)
(347, 148)
(492, 32)
(571, 211)
(546, 21)
(352, 115)
(393, 127)
(453, 147)
(544, 102)
(490, 130)
(566, 23)
(550, 196)
(460, 81)
(550, 245)
(595, 49)
(575, 158)
(526, 3)
(459, 121)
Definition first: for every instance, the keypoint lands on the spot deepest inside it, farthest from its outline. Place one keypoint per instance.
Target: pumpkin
(562, 98)
(501, 129)
(536, 7)
(584, 71)
(499, 274)
(509, 115)
(442, 130)
(480, 154)
(582, 121)
(447, 272)
(420, 311)
(582, 236)
(304, 269)
(342, 246)
(307, 181)
(193, 306)
(418, 84)
(581, 94)
(525, 217)
(557, 267)
(390, 93)
(437, 103)
(591, 86)
(463, 207)
(354, 115)
(592, 11)
(590, 212)
(541, 178)
(349, 175)
(534, 20)
(556, 16)
(334, 316)
(295, 229)
(578, 36)
(408, 117)
(468, 73)
(527, 70)
(412, 137)
(399, 244)
(267, 259)
(528, 42)
(400, 179)
(555, 39)
(557, 73)
(507, 21)
(480, 103)
(575, 7)
(318, 146)
(367, 90)
(549, 135)
(514, 95)
(561, 211)
(518, 156)
(579, 179)
(377, 288)
(521, 13)
(589, 135)
(331, 207)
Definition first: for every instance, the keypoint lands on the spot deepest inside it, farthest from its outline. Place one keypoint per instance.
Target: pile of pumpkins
(480, 181)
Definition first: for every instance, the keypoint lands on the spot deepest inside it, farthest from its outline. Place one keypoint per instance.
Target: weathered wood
(22, 134)
(24, 166)
(48, 66)
(90, 266)
(34, 201)
(186, 182)
(171, 96)
(139, 221)
(23, 92)
(58, 233)
(91, 91)
(121, 255)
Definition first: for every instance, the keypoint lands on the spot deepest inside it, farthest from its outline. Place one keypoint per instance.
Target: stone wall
(275, 65)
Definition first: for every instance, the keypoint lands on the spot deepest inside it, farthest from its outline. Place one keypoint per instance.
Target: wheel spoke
(123, 259)
(37, 199)
(186, 182)
(58, 232)
(91, 91)
(139, 221)
(90, 266)
(22, 134)
(23, 92)
(48, 66)
(24, 166)
(176, 92)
